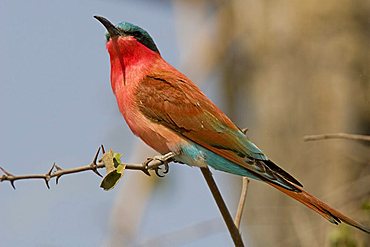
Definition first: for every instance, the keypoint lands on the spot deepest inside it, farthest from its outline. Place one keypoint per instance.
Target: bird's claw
(164, 168)
(159, 164)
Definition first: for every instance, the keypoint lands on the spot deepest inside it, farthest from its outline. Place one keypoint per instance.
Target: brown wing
(175, 102)
(179, 105)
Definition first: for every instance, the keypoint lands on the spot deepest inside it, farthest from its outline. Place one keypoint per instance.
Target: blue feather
(196, 155)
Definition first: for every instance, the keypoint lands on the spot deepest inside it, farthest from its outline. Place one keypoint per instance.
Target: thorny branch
(57, 172)
(337, 136)
(156, 163)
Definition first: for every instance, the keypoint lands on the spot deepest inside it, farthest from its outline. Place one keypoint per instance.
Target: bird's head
(127, 31)
(131, 51)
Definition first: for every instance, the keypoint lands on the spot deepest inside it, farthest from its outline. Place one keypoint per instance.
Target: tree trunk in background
(289, 69)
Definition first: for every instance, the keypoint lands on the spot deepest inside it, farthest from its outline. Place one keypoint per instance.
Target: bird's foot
(159, 164)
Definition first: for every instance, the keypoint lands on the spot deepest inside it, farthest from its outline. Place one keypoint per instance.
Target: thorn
(47, 176)
(145, 166)
(96, 172)
(94, 164)
(145, 170)
(57, 179)
(5, 172)
(96, 156)
(58, 167)
(8, 176)
(245, 131)
(102, 148)
(47, 182)
(51, 169)
(12, 183)
(94, 168)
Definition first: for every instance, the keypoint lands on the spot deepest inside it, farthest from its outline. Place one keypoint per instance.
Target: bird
(166, 110)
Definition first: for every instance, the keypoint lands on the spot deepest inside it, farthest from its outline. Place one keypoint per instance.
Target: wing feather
(177, 103)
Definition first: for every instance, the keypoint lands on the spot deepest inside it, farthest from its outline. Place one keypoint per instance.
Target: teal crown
(128, 29)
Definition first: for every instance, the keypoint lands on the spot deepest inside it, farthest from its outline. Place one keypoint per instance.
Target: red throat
(129, 60)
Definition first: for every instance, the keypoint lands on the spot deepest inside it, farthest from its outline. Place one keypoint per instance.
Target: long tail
(321, 208)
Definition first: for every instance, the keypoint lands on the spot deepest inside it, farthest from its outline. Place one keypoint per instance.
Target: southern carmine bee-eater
(170, 113)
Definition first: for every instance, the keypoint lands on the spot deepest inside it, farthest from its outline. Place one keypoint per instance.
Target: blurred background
(283, 69)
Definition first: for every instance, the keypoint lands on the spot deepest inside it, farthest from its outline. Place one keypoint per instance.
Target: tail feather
(321, 208)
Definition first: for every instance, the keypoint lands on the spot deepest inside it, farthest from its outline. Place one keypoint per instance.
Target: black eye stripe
(137, 34)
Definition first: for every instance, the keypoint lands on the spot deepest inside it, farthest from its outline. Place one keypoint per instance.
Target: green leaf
(112, 178)
(117, 159)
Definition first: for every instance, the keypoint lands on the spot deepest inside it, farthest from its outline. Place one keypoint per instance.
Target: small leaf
(112, 178)
(108, 161)
(117, 159)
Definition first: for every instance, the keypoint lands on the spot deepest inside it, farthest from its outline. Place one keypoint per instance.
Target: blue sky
(56, 105)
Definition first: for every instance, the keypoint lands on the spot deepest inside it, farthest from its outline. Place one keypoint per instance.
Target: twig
(243, 197)
(234, 232)
(57, 172)
(337, 136)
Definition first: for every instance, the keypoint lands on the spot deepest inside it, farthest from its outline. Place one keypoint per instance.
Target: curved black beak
(112, 30)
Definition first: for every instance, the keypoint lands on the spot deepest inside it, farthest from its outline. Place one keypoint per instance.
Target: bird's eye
(136, 34)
